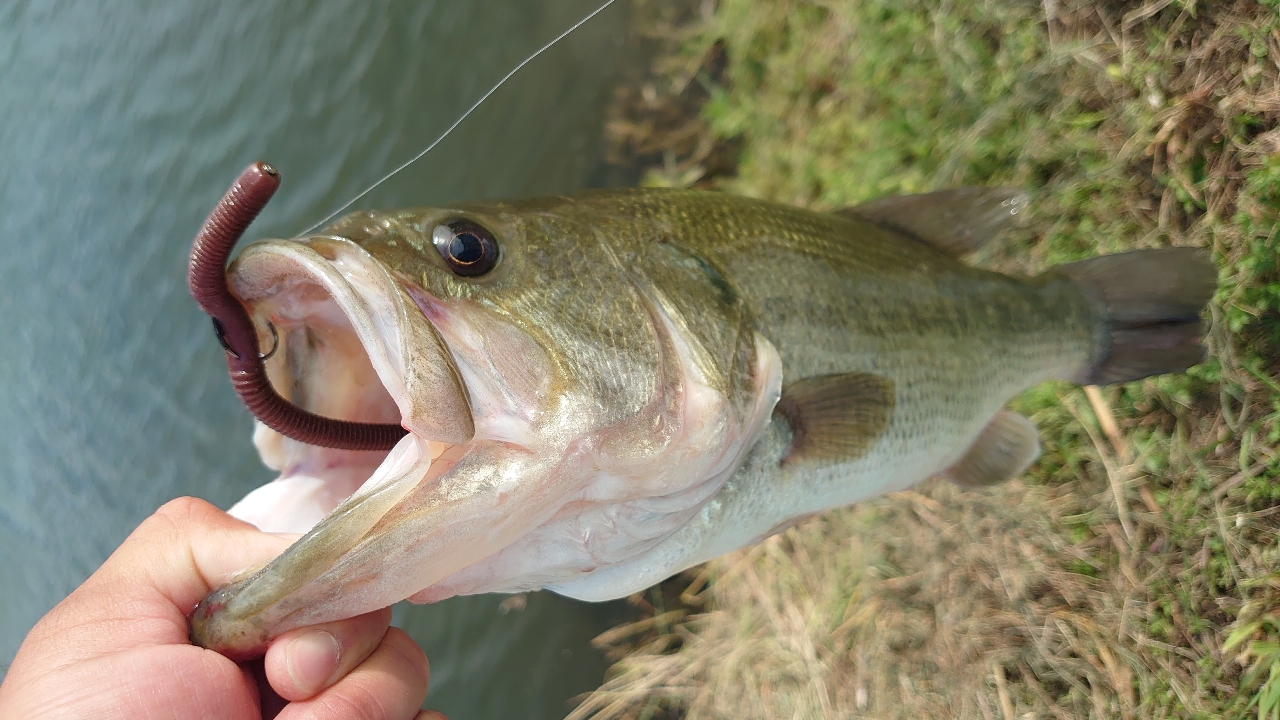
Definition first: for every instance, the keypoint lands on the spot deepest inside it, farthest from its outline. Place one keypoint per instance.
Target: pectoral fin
(1006, 448)
(836, 418)
(956, 222)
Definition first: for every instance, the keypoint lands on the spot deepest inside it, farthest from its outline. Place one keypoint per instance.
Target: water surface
(120, 125)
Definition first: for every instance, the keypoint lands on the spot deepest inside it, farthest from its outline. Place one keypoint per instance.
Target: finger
(206, 547)
(390, 685)
(302, 662)
(142, 594)
(184, 550)
(431, 715)
(269, 701)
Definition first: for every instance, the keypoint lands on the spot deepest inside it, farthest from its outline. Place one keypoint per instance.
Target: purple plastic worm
(207, 278)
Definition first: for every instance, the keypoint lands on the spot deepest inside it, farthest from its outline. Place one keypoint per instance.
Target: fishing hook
(222, 340)
(275, 343)
(207, 279)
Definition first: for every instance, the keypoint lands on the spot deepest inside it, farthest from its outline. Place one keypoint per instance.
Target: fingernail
(311, 659)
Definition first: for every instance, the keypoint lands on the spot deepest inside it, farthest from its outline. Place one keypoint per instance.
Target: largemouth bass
(605, 389)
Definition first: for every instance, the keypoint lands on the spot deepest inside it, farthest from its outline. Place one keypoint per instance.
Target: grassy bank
(1134, 572)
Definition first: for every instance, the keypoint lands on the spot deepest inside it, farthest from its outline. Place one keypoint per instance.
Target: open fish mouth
(349, 343)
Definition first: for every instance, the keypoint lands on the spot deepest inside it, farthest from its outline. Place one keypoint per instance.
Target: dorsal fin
(836, 418)
(1006, 447)
(956, 222)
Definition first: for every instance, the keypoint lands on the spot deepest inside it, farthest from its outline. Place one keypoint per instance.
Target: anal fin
(1006, 447)
(836, 418)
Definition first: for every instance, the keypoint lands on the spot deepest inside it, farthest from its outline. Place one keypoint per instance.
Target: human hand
(118, 646)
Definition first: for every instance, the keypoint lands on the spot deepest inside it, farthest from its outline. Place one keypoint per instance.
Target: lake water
(120, 125)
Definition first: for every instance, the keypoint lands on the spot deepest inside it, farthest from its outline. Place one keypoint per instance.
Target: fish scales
(838, 295)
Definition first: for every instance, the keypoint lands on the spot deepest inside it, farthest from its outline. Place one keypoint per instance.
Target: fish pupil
(466, 248)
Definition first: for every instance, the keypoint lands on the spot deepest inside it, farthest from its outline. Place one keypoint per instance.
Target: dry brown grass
(1105, 583)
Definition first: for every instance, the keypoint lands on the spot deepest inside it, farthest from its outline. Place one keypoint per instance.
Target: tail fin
(1152, 300)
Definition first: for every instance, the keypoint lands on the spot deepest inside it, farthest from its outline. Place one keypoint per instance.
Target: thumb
(188, 548)
(156, 577)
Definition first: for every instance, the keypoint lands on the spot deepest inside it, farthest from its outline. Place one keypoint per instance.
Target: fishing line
(462, 117)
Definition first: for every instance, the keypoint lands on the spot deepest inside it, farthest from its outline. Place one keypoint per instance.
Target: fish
(604, 389)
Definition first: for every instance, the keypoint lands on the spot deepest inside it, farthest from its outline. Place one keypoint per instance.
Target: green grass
(1134, 572)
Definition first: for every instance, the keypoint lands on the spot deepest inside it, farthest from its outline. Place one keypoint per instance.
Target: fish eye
(467, 248)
